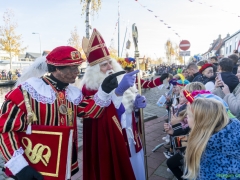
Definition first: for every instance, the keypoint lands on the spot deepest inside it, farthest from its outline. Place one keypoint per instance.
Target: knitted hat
(173, 82)
(206, 94)
(205, 66)
(182, 83)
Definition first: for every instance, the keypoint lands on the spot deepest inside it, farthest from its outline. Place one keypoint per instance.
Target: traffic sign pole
(184, 46)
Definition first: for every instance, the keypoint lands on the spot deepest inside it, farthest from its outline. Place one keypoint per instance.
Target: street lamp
(39, 41)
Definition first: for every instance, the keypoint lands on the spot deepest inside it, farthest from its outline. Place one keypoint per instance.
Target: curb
(150, 118)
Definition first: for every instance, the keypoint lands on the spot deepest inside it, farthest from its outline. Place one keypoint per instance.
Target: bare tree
(76, 42)
(94, 5)
(9, 41)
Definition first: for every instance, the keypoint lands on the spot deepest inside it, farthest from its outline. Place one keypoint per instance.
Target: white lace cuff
(117, 100)
(16, 163)
(102, 99)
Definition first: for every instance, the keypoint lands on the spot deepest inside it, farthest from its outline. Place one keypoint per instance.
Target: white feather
(37, 69)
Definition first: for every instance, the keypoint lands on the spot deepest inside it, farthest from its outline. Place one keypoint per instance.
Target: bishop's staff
(135, 40)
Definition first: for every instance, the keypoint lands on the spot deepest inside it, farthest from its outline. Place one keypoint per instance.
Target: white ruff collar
(44, 93)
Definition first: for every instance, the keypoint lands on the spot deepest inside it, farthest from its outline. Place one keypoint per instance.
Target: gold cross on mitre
(101, 45)
(188, 96)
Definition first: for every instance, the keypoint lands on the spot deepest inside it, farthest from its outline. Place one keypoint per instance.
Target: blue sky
(55, 19)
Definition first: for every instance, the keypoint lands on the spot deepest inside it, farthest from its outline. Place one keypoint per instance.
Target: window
(226, 50)
(236, 42)
(230, 47)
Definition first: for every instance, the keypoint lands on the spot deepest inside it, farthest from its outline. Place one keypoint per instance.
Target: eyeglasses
(72, 69)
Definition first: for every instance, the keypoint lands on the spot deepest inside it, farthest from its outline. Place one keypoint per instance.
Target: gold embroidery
(136, 138)
(56, 174)
(70, 116)
(31, 116)
(117, 123)
(35, 155)
(99, 60)
(75, 55)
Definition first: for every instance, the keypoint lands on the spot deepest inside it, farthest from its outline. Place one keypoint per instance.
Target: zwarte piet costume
(45, 102)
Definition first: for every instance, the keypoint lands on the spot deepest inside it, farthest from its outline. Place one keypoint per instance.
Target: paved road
(152, 110)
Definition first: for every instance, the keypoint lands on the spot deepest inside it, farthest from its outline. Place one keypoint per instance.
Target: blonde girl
(214, 142)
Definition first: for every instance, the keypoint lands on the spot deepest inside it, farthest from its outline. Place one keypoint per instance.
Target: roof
(232, 35)
(45, 52)
(216, 46)
(35, 55)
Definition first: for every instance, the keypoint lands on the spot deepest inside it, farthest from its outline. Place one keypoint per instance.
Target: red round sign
(184, 45)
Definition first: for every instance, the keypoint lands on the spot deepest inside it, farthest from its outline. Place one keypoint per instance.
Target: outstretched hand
(110, 82)
(127, 81)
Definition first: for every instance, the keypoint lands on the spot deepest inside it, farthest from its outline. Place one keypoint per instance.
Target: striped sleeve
(89, 109)
(150, 84)
(12, 119)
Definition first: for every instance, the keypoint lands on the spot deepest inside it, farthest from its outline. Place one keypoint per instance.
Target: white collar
(44, 93)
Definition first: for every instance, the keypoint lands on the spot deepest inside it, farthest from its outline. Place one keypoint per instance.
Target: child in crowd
(207, 78)
(178, 104)
(175, 161)
(213, 150)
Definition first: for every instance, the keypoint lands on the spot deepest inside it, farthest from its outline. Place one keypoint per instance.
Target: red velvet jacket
(149, 84)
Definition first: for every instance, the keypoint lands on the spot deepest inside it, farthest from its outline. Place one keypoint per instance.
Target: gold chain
(62, 108)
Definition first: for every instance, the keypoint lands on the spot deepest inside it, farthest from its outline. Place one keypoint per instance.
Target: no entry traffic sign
(184, 45)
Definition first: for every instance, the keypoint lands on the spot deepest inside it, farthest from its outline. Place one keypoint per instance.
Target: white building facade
(231, 44)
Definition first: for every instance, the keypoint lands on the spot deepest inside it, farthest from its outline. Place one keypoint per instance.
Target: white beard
(129, 98)
(93, 78)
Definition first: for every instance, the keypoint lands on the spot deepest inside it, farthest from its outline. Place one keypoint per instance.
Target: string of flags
(161, 20)
(211, 6)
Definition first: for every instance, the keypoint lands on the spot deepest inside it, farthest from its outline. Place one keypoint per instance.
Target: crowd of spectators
(206, 107)
(9, 75)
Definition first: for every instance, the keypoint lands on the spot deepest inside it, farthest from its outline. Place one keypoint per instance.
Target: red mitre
(64, 56)
(188, 96)
(97, 51)
(205, 66)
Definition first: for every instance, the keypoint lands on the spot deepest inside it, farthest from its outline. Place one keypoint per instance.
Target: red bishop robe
(105, 155)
